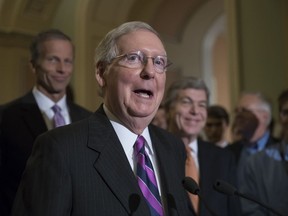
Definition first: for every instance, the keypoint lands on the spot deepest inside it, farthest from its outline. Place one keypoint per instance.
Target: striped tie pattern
(146, 178)
(58, 118)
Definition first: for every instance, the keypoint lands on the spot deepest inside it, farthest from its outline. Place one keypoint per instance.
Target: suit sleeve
(45, 188)
(234, 207)
(249, 186)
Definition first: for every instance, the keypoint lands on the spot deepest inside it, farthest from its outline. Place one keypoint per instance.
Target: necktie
(58, 118)
(146, 178)
(192, 171)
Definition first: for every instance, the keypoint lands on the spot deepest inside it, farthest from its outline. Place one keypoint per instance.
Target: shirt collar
(45, 103)
(259, 144)
(193, 145)
(127, 137)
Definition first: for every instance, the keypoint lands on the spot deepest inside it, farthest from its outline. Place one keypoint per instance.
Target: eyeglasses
(138, 60)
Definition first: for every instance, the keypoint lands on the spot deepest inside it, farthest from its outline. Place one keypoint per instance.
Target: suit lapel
(168, 179)
(32, 115)
(205, 164)
(111, 163)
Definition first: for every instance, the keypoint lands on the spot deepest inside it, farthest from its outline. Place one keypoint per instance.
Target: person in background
(266, 172)
(243, 127)
(217, 125)
(52, 58)
(114, 162)
(160, 118)
(186, 105)
(259, 137)
(283, 114)
(259, 105)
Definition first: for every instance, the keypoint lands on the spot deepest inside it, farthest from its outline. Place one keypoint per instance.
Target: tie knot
(56, 108)
(139, 144)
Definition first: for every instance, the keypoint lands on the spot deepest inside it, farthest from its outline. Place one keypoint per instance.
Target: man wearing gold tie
(186, 106)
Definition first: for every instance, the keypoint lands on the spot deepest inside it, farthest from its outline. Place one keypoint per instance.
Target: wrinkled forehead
(141, 40)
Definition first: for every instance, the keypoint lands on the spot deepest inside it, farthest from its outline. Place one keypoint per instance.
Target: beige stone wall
(256, 42)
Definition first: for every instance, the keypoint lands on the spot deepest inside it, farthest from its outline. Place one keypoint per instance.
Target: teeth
(143, 94)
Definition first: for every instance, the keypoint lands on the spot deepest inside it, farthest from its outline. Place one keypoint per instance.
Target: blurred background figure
(250, 137)
(186, 109)
(283, 114)
(160, 118)
(266, 173)
(44, 107)
(217, 125)
(243, 127)
(262, 137)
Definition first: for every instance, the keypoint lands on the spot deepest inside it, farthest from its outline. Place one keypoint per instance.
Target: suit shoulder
(163, 134)
(78, 108)
(217, 151)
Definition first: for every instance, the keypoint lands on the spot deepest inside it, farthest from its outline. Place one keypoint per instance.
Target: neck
(55, 97)
(188, 139)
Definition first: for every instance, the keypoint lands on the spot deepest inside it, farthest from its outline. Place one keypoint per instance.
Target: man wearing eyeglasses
(115, 162)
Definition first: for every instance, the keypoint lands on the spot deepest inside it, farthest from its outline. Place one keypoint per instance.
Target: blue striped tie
(146, 178)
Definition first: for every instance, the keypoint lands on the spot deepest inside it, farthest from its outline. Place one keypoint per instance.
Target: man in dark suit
(266, 172)
(260, 106)
(256, 138)
(93, 167)
(186, 105)
(52, 57)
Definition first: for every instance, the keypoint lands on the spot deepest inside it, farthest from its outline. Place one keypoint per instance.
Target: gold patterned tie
(192, 171)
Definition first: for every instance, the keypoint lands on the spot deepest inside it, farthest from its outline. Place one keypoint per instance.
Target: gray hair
(107, 48)
(182, 84)
(50, 34)
(264, 103)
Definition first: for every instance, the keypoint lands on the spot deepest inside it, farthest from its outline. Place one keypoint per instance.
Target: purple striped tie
(146, 178)
(58, 118)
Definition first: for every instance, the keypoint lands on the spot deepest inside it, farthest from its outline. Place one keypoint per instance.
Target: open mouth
(144, 93)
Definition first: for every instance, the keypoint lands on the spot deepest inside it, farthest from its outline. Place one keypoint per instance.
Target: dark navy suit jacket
(82, 169)
(21, 122)
(216, 163)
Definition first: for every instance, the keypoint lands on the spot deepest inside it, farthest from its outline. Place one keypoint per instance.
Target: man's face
(189, 112)
(131, 93)
(215, 129)
(251, 103)
(54, 67)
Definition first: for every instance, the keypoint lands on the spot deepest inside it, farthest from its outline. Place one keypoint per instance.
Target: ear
(99, 73)
(32, 66)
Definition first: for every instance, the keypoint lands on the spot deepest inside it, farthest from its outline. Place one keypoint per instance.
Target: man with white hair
(256, 103)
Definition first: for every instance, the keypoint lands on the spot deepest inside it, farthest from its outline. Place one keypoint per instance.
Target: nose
(60, 67)
(148, 70)
(193, 109)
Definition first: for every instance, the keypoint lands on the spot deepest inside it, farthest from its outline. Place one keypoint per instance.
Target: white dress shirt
(128, 139)
(45, 105)
(194, 153)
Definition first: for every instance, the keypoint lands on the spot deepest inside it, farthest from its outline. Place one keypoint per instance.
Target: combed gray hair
(107, 48)
(50, 34)
(264, 103)
(182, 84)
